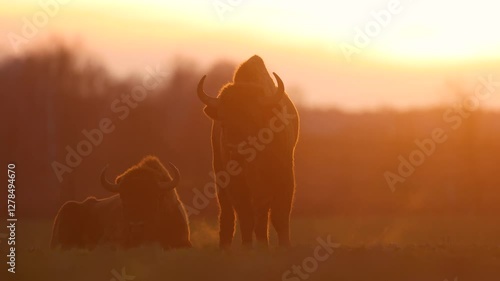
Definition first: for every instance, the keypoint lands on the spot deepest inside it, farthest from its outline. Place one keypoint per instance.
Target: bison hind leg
(262, 226)
(66, 232)
(74, 228)
(280, 218)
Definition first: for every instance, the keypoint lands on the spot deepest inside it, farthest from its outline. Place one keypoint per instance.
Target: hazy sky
(402, 53)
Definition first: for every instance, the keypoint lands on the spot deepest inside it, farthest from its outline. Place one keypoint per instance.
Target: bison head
(142, 190)
(241, 108)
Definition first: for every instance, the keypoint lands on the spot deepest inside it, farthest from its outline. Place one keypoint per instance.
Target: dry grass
(371, 249)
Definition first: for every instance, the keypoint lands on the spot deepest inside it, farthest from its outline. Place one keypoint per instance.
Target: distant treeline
(64, 117)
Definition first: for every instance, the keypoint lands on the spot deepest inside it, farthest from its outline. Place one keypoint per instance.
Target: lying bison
(145, 209)
(254, 133)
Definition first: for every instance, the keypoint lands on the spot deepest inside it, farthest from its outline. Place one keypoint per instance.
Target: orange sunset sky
(417, 52)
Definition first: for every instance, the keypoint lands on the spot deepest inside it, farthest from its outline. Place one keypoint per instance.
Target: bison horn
(106, 184)
(278, 95)
(206, 99)
(176, 177)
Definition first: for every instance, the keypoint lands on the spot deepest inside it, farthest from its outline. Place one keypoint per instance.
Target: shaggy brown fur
(140, 213)
(266, 183)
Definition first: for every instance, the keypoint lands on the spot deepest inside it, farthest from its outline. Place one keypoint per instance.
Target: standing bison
(254, 133)
(145, 209)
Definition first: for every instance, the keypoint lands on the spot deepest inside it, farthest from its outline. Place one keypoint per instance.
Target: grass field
(374, 248)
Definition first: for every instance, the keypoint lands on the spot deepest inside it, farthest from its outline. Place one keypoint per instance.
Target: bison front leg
(226, 219)
(244, 210)
(261, 210)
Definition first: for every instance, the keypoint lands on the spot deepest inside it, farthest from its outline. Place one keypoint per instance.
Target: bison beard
(266, 184)
(146, 209)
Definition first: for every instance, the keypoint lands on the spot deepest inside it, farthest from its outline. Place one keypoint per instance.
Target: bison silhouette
(145, 209)
(254, 132)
